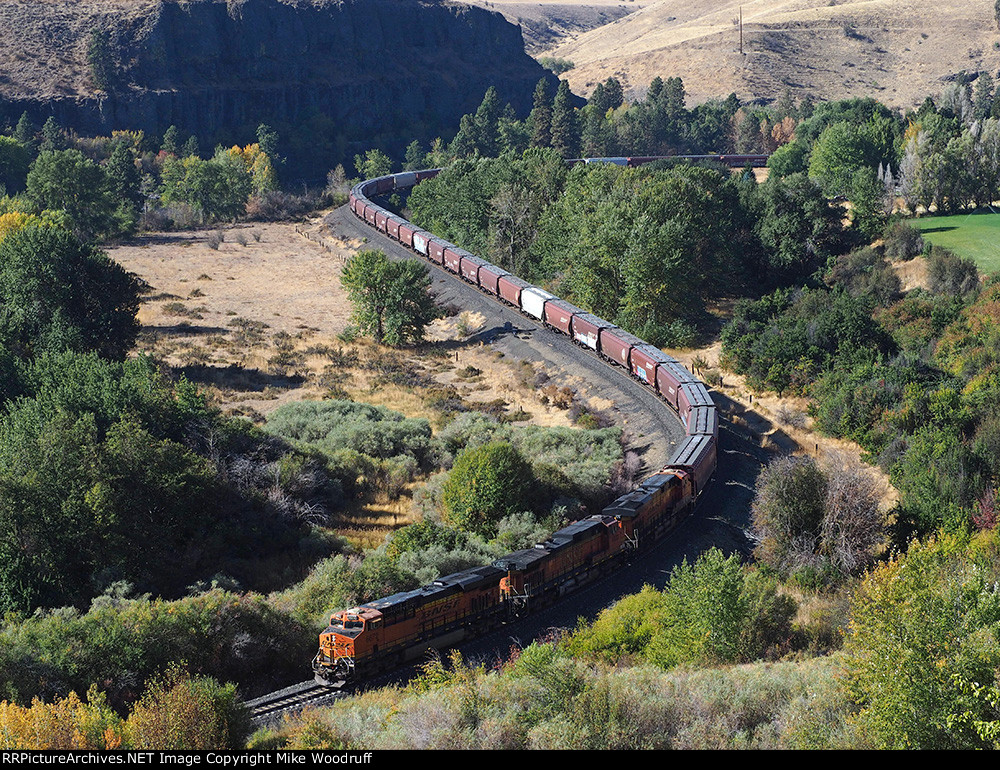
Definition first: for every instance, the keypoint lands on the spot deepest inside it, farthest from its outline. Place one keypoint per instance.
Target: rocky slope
(211, 66)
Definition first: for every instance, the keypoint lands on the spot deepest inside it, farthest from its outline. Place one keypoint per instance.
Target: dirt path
(779, 425)
(654, 429)
(258, 320)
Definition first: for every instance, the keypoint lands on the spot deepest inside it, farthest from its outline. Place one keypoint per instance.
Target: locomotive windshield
(345, 621)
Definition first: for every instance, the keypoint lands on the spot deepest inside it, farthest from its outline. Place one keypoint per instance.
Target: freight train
(389, 632)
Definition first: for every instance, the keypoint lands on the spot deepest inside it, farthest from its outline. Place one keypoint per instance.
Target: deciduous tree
(923, 631)
(392, 300)
(67, 180)
(372, 164)
(57, 293)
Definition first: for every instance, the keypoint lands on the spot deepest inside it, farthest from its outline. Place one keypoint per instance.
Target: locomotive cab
(339, 647)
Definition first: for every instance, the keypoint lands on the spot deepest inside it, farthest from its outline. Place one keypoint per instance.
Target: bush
(485, 485)
(179, 712)
(274, 206)
(923, 650)
(865, 273)
(903, 241)
(555, 65)
(949, 273)
(710, 612)
(63, 725)
(122, 643)
(369, 449)
(816, 524)
(788, 512)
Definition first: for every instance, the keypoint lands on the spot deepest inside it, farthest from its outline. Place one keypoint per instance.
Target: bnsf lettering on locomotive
(441, 606)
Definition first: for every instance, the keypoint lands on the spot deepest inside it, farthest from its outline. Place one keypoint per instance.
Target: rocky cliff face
(211, 66)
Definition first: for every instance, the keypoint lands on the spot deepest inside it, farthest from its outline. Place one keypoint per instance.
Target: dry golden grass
(897, 51)
(256, 326)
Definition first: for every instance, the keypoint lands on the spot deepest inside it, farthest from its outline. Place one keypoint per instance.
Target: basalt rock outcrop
(374, 67)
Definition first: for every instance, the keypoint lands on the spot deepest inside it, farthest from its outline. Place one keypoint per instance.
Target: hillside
(213, 67)
(550, 23)
(897, 51)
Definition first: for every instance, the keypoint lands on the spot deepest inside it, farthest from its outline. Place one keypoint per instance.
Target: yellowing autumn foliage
(135, 139)
(183, 712)
(177, 712)
(68, 723)
(13, 221)
(258, 165)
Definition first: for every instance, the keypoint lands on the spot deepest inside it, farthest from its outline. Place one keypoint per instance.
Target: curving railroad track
(308, 693)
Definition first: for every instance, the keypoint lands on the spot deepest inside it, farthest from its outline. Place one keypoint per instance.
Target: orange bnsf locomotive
(386, 633)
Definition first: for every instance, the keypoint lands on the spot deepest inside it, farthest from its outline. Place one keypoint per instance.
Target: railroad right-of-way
(654, 429)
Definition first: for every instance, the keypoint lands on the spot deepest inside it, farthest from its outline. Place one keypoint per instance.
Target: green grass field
(976, 236)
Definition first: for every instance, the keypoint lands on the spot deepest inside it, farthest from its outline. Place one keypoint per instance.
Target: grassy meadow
(976, 236)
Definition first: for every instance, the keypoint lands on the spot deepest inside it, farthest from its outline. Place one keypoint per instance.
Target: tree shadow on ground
(236, 377)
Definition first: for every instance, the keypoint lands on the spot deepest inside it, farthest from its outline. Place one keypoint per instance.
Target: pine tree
(541, 116)
(24, 132)
(654, 91)
(487, 121)
(191, 148)
(415, 157)
(784, 107)
(170, 137)
(616, 96)
(673, 97)
(565, 123)
(52, 135)
(597, 134)
(124, 182)
(598, 101)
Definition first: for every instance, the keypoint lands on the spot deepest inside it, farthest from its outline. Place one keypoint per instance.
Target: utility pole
(741, 30)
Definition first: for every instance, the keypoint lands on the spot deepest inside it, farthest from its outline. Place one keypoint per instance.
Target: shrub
(922, 645)
(816, 524)
(275, 205)
(64, 724)
(788, 512)
(556, 65)
(903, 241)
(949, 273)
(181, 712)
(486, 484)
(710, 612)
